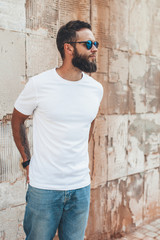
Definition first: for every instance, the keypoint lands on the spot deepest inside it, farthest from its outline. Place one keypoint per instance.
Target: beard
(82, 62)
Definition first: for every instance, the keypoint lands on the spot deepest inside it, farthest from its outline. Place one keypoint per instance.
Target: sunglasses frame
(90, 42)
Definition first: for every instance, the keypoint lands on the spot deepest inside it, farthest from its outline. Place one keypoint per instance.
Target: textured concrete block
(144, 34)
(136, 144)
(118, 67)
(98, 156)
(118, 209)
(155, 21)
(114, 199)
(138, 73)
(10, 159)
(153, 86)
(121, 194)
(97, 227)
(12, 15)
(102, 60)
(135, 196)
(152, 141)
(12, 69)
(118, 29)
(151, 194)
(103, 79)
(11, 220)
(117, 145)
(73, 10)
(42, 17)
(12, 194)
(139, 33)
(118, 82)
(100, 21)
(42, 54)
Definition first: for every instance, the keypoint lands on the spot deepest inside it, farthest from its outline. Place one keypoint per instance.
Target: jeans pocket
(27, 195)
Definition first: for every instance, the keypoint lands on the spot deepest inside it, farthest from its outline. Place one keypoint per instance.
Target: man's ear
(68, 49)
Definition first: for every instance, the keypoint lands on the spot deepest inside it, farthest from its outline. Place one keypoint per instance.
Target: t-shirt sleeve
(26, 103)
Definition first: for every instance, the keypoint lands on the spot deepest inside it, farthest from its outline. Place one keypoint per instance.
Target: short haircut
(67, 33)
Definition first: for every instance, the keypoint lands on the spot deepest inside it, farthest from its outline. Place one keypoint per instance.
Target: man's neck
(69, 72)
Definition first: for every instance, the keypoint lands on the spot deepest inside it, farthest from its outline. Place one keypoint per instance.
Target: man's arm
(20, 136)
(91, 130)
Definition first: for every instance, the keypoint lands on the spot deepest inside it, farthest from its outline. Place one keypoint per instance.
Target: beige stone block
(116, 146)
(143, 146)
(118, 66)
(135, 197)
(118, 98)
(144, 84)
(155, 30)
(136, 143)
(12, 195)
(138, 72)
(118, 24)
(103, 79)
(100, 21)
(140, 31)
(97, 227)
(12, 69)
(153, 86)
(152, 141)
(12, 15)
(114, 200)
(151, 194)
(98, 153)
(10, 159)
(121, 218)
(74, 10)
(42, 54)
(102, 60)
(42, 17)
(158, 210)
(11, 220)
(118, 82)
(122, 193)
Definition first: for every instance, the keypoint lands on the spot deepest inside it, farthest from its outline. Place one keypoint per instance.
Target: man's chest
(69, 104)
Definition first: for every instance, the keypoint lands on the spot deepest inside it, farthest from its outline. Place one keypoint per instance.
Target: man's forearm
(20, 138)
(24, 144)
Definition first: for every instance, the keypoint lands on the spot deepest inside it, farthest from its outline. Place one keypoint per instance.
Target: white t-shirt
(62, 113)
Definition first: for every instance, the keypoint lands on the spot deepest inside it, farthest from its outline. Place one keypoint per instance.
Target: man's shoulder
(93, 81)
(43, 75)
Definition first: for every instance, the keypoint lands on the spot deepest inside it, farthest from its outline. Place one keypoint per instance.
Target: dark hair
(67, 33)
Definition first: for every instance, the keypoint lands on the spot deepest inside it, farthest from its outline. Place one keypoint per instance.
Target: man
(64, 102)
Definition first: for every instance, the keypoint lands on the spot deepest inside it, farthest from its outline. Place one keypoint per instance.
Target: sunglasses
(88, 44)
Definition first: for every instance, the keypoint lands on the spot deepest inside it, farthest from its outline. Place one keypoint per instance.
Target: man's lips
(92, 56)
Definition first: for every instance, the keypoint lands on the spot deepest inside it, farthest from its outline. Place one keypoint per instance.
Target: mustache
(92, 55)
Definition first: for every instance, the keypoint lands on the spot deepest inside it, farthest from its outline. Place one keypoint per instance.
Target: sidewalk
(146, 232)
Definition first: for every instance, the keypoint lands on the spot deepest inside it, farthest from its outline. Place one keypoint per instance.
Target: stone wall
(125, 146)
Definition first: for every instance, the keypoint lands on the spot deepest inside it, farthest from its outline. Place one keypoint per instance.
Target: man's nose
(94, 49)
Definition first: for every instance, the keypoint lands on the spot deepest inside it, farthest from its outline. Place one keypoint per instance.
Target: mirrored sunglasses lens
(89, 44)
(96, 44)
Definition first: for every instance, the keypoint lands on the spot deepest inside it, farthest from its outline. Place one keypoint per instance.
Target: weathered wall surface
(125, 146)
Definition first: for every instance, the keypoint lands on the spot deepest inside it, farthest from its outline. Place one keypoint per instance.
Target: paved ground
(146, 232)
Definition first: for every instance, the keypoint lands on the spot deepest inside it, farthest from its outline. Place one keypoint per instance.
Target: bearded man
(64, 103)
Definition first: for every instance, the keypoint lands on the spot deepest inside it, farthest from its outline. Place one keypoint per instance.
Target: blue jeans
(49, 210)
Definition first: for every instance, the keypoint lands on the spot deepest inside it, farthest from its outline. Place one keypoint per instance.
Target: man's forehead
(85, 34)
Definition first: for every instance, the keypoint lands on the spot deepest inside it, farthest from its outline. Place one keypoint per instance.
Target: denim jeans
(49, 210)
